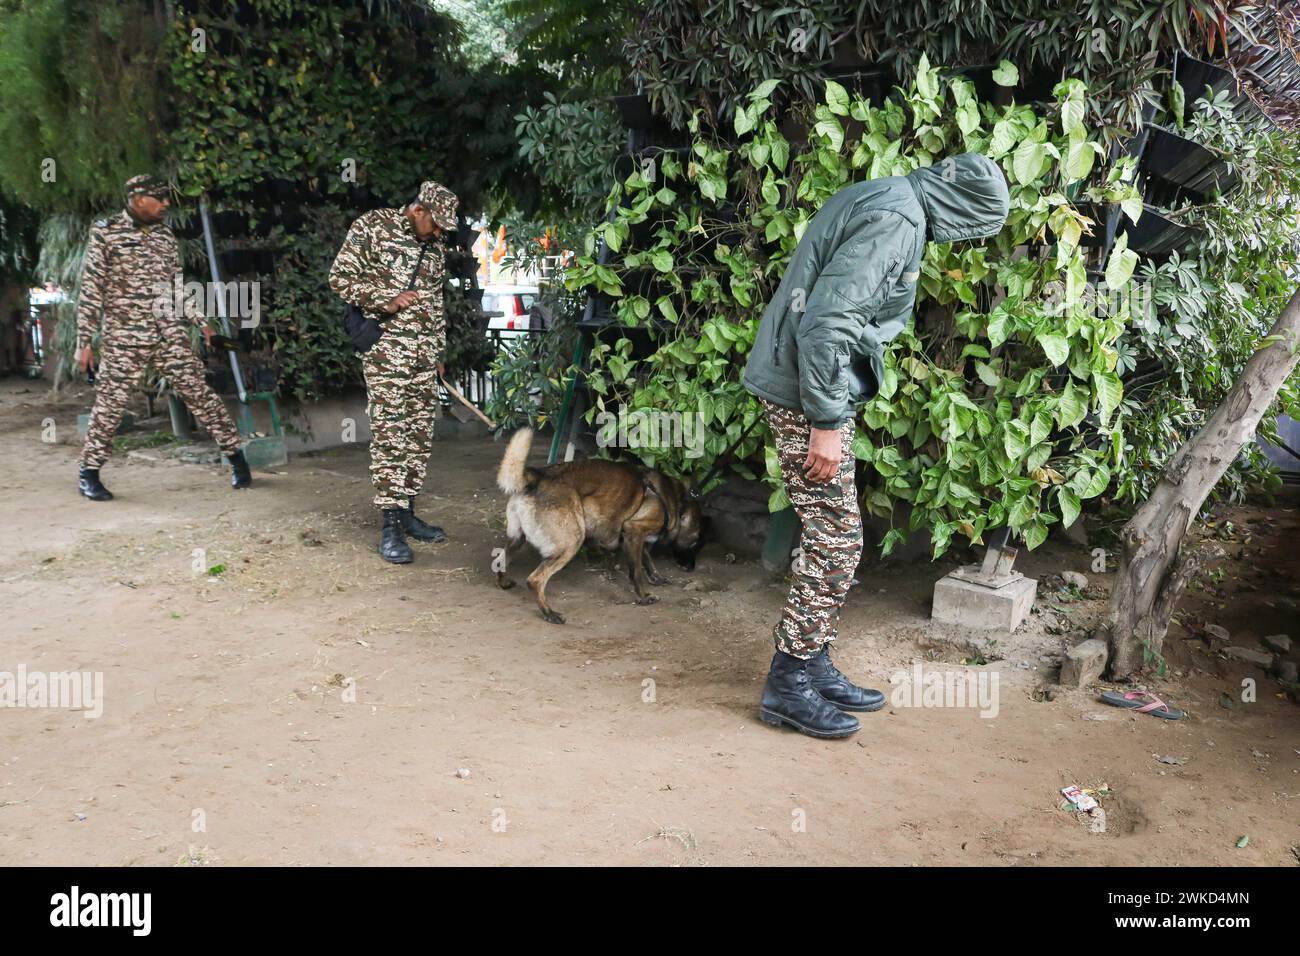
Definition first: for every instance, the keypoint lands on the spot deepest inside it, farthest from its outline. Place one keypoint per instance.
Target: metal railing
(477, 384)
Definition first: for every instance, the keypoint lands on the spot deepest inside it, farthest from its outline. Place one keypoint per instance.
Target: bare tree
(1152, 570)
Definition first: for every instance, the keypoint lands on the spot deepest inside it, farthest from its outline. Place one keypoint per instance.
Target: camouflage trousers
(402, 383)
(120, 369)
(830, 543)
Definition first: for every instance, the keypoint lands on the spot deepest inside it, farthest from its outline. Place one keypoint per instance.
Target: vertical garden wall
(289, 118)
(1055, 370)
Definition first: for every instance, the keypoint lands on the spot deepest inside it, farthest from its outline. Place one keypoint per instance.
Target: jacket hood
(964, 197)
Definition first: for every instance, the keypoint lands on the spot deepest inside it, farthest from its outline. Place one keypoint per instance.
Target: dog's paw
(553, 617)
(658, 580)
(648, 599)
(504, 583)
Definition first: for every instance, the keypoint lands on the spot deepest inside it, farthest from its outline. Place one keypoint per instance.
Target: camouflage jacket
(376, 263)
(131, 279)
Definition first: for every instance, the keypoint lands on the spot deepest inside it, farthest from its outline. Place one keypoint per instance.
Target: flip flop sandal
(1132, 701)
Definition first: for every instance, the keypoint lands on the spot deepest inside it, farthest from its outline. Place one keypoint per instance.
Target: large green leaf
(1006, 74)
(1120, 265)
(837, 98)
(1055, 347)
(1028, 161)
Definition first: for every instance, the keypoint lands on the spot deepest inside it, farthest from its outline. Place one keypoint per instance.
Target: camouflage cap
(147, 185)
(440, 201)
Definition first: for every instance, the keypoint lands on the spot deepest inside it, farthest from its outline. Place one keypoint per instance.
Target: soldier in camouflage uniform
(848, 290)
(828, 512)
(129, 280)
(392, 267)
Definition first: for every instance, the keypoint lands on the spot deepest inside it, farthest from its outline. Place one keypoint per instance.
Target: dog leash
(719, 462)
(663, 505)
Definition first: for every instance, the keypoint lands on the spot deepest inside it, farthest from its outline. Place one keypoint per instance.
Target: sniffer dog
(610, 504)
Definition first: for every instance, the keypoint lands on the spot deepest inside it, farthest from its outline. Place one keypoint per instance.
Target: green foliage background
(1002, 404)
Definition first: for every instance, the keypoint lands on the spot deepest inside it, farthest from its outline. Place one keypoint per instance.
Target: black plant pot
(219, 378)
(1101, 215)
(986, 91)
(1195, 75)
(292, 218)
(229, 225)
(264, 379)
(1184, 163)
(872, 85)
(651, 283)
(644, 342)
(647, 130)
(1154, 234)
(624, 164)
(634, 111)
(285, 190)
(236, 262)
(360, 197)
(845, 55)
(1036, 85)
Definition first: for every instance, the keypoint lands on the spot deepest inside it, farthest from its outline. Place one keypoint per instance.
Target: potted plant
(634, 111)
(872, 85)
(1155, 233)
(1183, 162)
(1103, 219)
(1195, 75)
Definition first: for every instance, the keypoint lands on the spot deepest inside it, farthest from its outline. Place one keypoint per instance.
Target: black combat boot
(240, 476)
(837, 688)
(392, 544)
(417, 529)
(90, 486)
(790, 698)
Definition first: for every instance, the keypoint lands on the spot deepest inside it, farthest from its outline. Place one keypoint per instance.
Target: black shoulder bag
(361, 328)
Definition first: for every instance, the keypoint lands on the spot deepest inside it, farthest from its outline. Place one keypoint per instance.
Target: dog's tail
(514, 476)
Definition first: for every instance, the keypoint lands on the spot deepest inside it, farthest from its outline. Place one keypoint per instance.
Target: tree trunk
(1152, 573)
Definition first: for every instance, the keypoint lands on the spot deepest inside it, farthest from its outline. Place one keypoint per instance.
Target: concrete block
(1083, 663)
(266, 452)
(982, 608)
(83, 423)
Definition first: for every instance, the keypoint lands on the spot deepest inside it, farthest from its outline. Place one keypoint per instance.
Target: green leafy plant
(531, 372)
(1001, 405)
(1212, 305)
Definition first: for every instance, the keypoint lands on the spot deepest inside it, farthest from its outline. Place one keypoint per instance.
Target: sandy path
(227, 700)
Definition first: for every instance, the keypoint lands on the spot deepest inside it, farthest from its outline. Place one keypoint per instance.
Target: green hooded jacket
(850, 286)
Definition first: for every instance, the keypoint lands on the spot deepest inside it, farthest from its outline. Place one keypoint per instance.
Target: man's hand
(400, 301)
(824, 453)
(84, 359)
(442, 370)
(207, 336)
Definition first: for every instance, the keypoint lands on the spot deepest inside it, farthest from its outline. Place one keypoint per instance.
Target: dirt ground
(312, 705)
